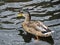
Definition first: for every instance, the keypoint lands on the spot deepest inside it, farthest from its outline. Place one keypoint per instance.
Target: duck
(34, 27)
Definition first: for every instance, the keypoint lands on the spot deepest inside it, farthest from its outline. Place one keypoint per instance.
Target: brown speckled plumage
(33, 27)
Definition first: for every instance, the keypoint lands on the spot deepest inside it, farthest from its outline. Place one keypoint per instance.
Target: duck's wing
(41, 27)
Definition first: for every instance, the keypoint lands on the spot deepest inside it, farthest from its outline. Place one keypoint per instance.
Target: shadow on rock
(27, 37)
(47, 39)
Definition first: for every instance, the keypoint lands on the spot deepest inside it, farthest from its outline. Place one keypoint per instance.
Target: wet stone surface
(11, 31)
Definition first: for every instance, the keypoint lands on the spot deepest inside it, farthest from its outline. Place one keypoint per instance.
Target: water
(11, 31)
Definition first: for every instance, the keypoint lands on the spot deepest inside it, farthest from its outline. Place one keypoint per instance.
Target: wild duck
(36, 28)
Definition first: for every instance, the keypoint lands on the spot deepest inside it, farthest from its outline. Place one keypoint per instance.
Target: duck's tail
(48, 33)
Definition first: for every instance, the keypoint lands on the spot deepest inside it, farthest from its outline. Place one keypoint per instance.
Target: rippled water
(11, 32)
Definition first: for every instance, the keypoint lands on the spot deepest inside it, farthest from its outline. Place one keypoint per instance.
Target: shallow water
(11, 31)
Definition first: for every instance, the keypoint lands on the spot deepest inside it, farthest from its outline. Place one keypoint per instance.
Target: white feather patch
(40, 28)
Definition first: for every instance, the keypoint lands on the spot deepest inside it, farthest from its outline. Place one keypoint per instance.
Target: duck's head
(24, 14)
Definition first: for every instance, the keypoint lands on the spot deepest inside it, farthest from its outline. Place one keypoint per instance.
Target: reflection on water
(47, 11)
(28, 37)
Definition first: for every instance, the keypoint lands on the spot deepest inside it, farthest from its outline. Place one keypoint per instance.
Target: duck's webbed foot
(37, 38)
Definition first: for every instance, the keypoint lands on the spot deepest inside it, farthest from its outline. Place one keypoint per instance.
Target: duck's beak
(20, 15)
